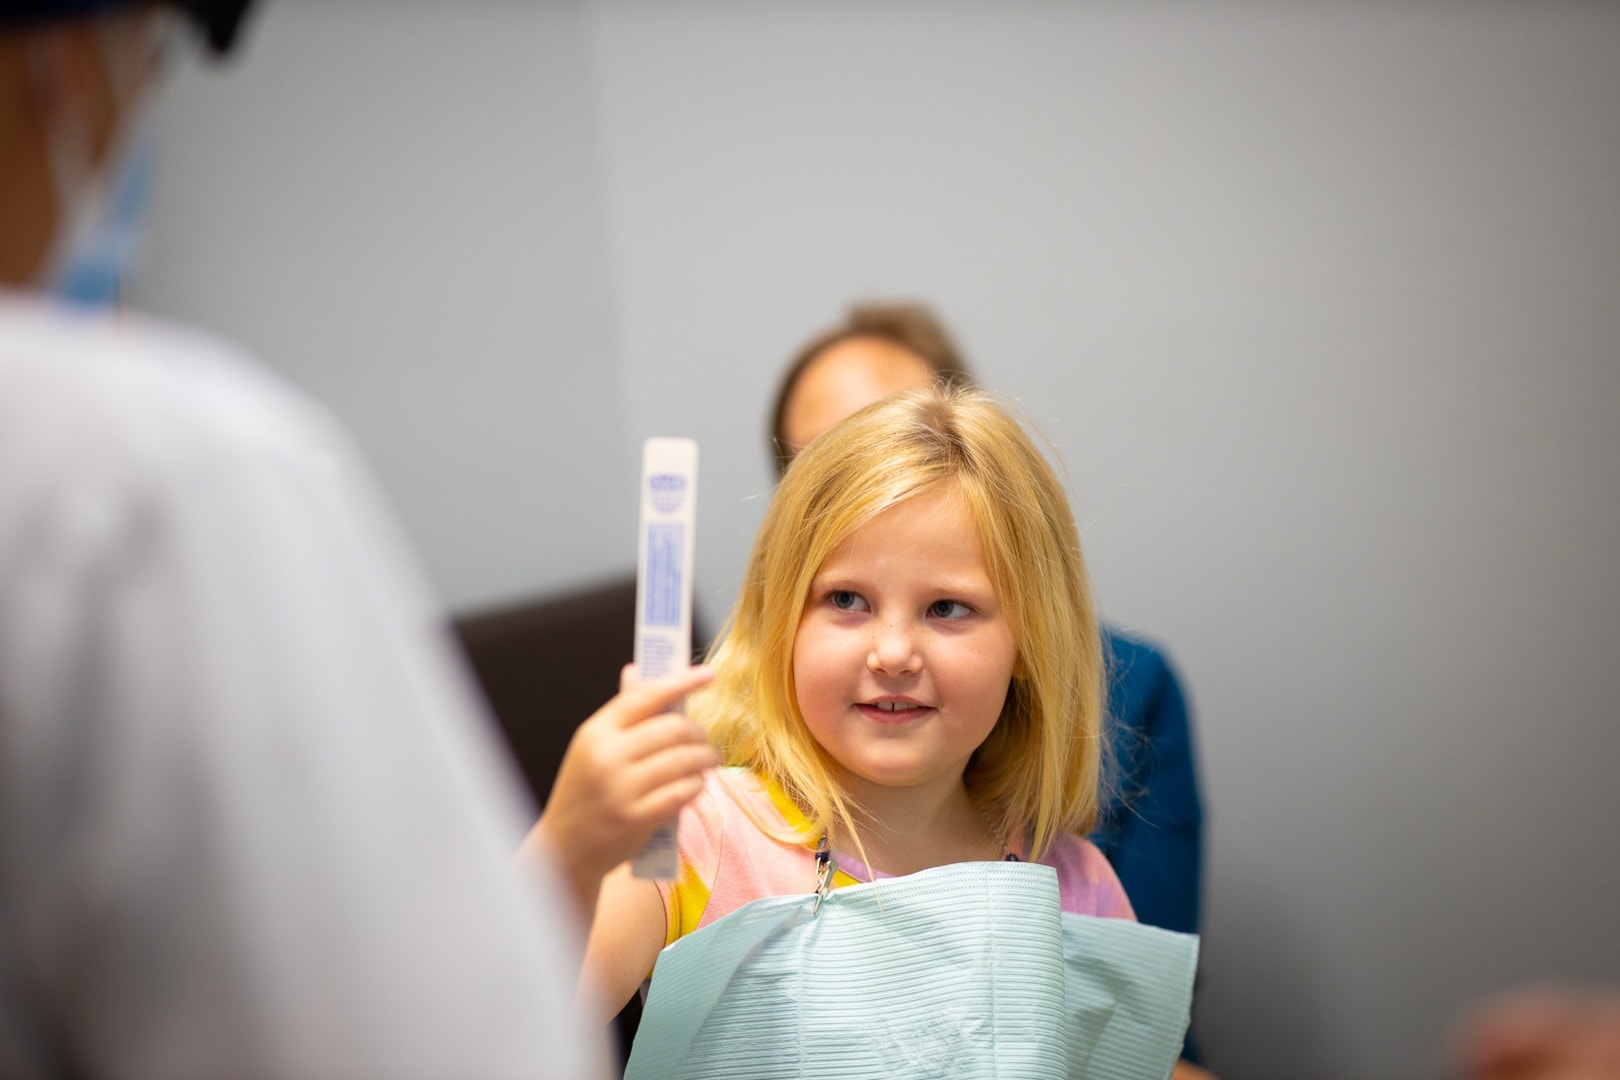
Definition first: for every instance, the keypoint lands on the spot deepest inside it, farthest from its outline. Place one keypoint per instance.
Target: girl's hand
(628, 770)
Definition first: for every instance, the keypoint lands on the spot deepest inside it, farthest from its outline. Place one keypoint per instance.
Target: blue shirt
(1151, 821)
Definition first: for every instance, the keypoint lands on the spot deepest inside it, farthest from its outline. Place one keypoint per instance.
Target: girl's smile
(897, 710)
(903, 656)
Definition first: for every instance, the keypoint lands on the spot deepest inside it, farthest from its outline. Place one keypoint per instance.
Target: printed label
(664, 569)
(658, 655)
(668, 492)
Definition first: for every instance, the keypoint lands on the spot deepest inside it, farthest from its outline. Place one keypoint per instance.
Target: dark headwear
(216, 20)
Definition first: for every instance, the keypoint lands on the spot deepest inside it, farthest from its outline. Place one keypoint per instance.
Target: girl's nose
(894, 650)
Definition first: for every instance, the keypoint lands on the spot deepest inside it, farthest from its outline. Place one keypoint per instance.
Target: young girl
(911, 677)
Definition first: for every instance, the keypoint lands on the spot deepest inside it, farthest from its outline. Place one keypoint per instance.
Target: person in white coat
(253, 820)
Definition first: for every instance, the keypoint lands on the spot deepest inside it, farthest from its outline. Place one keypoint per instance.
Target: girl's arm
(626, 937)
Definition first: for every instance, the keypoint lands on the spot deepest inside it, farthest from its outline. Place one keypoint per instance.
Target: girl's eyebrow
(835, 581)
(942, 589)
(979, 594)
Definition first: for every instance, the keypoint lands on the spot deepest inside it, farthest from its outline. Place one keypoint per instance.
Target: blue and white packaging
(664, 566)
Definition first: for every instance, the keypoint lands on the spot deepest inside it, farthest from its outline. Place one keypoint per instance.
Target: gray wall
(1318, 304)
(402, 206)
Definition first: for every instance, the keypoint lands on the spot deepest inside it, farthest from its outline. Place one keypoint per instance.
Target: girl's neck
(903, 830)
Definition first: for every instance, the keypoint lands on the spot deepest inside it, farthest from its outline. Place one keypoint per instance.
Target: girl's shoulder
(737, 843)
(762, 802)
(1087, 884)
(731, 799)
(736, 788)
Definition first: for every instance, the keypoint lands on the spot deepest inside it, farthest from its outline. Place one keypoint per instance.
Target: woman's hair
(1037, 772)
(912, 326)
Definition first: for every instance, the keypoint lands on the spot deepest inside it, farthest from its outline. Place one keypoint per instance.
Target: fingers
(636, 701)
(628, 770)
(606, 751)
(607, 816)
(642, 762)
(613, 773)
(683, 764)
(656, 733)
(661, 804)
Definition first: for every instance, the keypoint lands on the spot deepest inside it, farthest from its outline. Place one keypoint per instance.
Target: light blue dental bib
(968, 970)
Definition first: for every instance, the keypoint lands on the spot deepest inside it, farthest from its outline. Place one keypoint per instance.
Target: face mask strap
(97, 234)
(69, 155)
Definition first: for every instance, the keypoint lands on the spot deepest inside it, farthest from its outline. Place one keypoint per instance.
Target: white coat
(253, 822)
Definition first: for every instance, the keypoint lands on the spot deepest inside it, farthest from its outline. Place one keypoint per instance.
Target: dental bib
(967, 970)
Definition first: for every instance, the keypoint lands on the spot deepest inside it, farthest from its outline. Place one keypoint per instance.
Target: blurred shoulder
(79, 383)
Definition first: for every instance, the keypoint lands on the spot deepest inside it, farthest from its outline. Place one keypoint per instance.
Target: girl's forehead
(937, 524)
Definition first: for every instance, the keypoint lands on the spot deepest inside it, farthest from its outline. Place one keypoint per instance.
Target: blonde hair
(1036, 775)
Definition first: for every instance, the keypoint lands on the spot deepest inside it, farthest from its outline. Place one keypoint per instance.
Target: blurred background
(1317, 303)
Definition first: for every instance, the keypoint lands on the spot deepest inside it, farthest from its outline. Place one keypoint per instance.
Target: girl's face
(903, 657)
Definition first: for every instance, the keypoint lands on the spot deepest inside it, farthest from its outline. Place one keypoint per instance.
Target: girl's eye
(949, 609)
(844, 600)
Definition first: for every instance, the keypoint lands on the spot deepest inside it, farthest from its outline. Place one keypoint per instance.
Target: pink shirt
(739, 842)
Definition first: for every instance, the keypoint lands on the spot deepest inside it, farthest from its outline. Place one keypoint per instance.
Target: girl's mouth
(893, 711)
